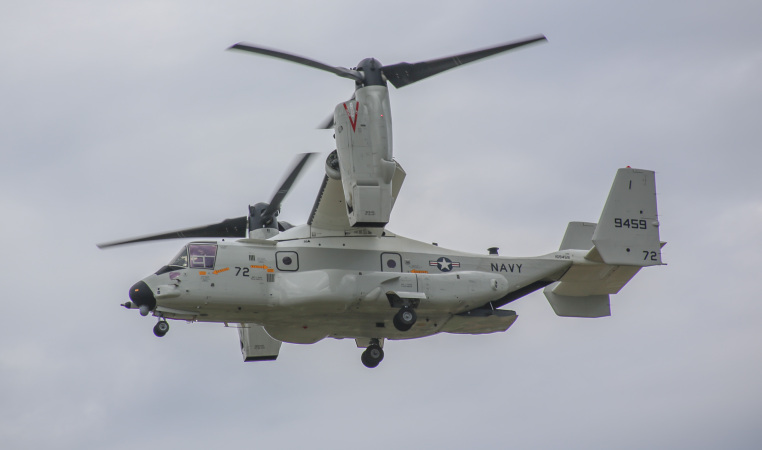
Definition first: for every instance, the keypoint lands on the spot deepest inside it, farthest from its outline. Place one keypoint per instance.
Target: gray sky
(125, 119)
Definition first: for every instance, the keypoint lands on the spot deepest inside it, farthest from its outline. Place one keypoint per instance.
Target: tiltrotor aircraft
(344, 275)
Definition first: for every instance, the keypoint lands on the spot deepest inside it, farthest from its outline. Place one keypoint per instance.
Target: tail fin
(625, 239)
(627, 233)
(579, 236)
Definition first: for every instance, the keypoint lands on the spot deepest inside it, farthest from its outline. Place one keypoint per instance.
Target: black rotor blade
(227, 228)
(299, 163)
(402, 74)
(326, 124)
(340, 71)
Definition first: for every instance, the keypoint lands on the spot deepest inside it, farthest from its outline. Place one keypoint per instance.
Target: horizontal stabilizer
(628, 232)
(256, 344)
(572, 306)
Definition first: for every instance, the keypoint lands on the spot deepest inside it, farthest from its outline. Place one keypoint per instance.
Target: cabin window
(288, 261)
(391, 262)
(202, 255)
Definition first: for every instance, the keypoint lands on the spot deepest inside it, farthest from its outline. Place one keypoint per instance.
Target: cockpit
(196, 255)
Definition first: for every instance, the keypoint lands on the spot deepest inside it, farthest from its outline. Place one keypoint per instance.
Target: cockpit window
(181, 260)
(202, 255)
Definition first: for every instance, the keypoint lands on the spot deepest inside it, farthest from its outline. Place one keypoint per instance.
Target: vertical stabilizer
(628, 231)
(579, 236)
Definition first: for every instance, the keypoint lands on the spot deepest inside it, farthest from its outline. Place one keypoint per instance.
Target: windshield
(202, 255)
(181, 260)
(196, 256)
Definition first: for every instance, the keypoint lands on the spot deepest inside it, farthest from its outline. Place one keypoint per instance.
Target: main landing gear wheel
(161, 328)
(405, 318)
(372, 356)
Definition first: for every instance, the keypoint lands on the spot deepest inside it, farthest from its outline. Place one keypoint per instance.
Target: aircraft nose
(142, 296)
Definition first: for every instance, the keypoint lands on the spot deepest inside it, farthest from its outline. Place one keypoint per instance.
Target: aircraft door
(391, 262)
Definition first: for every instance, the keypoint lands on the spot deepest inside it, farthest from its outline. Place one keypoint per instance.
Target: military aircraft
(343, 274)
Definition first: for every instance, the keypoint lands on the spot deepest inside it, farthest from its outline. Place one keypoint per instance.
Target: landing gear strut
(161, 328)
(405, 318)
(373, 355)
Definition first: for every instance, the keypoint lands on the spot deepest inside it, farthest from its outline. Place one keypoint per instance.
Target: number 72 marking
(649, 255)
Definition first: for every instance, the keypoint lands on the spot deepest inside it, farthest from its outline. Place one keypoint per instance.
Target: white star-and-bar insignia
(444, 264)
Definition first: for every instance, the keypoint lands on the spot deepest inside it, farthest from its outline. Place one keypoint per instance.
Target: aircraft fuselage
(303, 290)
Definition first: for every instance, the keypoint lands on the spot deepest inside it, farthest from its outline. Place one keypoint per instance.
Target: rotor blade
(227, 228)
(402, 74)
(327, 123)
(299, 163)
(340, 71)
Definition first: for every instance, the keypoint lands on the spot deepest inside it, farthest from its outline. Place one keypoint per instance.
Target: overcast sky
(126, 118)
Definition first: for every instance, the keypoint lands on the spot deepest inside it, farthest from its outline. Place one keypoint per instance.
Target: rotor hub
(372, 72)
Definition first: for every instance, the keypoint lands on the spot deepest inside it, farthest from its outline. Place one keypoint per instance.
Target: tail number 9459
(635, 224)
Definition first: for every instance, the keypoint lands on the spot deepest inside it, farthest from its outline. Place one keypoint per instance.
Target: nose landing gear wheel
(372, 356)
(404, 319)
(161, 328)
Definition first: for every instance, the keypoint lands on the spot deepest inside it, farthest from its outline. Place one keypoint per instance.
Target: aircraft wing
(330, 210)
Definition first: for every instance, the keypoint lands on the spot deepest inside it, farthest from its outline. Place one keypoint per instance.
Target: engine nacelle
(364, 147)
(256, 344)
